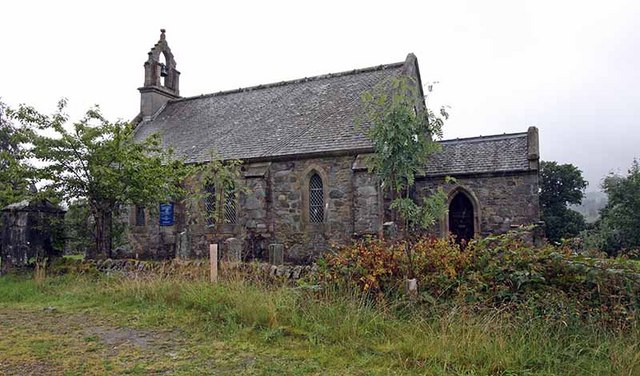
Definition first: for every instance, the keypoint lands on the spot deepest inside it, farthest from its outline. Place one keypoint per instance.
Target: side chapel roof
(497, 153)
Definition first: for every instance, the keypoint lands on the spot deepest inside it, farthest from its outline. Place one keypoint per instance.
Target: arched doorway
(461, 218)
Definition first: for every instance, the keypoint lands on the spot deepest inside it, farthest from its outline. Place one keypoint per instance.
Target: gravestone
(233, 250)
(390, 230)
(183, 248)
(276, 254)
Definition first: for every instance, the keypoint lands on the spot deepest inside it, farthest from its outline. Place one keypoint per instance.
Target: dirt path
(51, 342)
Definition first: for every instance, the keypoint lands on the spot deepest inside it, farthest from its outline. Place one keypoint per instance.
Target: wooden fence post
(411, 288)
(213, 259)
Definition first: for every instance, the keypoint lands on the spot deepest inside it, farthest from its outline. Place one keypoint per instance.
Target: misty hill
(591, 204)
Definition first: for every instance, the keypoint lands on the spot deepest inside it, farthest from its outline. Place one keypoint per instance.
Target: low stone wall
(191, 269)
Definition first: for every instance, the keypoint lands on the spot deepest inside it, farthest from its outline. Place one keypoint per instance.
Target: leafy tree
(225, 176)
(15, 172)
(100, 162)
(78, 228)
(402, 131)
(564, 224)
(561, 185)
(619, 227)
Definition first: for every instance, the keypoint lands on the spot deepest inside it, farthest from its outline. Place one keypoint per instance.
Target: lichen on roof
(309, 115)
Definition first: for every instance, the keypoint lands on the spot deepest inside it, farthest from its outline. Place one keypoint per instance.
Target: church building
(306, 184)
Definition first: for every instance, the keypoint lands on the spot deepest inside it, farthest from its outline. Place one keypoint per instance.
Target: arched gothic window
(140, 216)
(316, 199)
(230, 205)
(210, 203)
(227, 204)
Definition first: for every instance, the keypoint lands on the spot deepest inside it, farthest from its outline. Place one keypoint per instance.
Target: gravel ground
(50, 342)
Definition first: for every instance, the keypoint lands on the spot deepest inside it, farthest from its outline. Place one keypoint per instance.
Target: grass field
(86, 325)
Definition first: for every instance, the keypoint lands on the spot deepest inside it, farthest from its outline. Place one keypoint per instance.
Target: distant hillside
(591, 205)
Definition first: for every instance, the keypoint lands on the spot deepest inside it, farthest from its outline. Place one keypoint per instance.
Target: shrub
(378, 268)
(504, 272)
(371, 264)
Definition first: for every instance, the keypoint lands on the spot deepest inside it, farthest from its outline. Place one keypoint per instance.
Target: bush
(504, 272)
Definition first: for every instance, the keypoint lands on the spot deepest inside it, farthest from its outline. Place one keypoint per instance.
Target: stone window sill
(317, 227)
(226, 228)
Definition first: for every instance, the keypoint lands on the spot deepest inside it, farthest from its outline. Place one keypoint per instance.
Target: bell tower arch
(161, 78)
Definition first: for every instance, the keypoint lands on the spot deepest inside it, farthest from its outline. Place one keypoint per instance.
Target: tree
(561, 185)
(15, 172)
(619, 226)
(78, 228)
(100, 162)
(218, 183)
(402, 131)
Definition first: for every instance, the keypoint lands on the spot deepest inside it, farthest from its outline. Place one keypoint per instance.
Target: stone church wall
(350, 196)
(274, 209)
(505, 200)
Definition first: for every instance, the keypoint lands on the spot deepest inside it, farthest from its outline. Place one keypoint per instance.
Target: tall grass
(341, 328)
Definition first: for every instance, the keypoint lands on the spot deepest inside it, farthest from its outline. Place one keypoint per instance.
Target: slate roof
(311, 115)
(314, 115)
(498, 153)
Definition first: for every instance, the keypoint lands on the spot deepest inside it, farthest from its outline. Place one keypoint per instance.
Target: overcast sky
(571, 68)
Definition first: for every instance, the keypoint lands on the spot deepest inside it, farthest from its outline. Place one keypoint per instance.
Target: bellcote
(161, 78)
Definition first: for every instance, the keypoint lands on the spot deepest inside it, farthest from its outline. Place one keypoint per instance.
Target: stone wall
(274, 209)
(302, 239)
(367, 200)
(197, 269)
(151, 241)
(29, 230)
(505, 200)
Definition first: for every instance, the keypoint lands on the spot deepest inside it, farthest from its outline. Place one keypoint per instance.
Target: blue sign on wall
(166, 214)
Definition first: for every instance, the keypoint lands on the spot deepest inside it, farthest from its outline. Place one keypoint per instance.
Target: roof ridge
(482, 138)
(295, 81)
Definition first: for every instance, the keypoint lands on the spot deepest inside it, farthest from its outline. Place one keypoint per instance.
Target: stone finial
(533, 147)
(162, 36)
